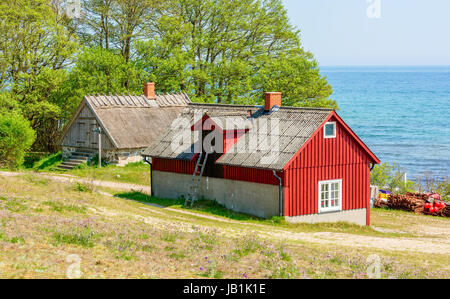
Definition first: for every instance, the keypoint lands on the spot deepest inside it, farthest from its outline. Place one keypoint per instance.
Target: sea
(401, 112)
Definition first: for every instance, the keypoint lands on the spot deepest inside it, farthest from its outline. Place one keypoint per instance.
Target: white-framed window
(329, 130)
(330, 196)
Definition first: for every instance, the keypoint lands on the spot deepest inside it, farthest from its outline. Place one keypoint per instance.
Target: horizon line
(384, 65)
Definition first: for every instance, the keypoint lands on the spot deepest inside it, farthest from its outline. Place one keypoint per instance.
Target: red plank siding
(250, 175)
(327, 159)
(178, 166)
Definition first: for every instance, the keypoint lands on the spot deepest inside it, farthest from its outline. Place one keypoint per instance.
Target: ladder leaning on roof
(196, 179)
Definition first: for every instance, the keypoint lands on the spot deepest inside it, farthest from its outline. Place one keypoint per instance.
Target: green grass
(118, 238)
(144, 198)
(133, 173)
(61, 207)
(83, 238)
(213, 208)
(205, 206)
(47, 163)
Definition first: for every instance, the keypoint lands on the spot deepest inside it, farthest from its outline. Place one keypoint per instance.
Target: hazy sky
(374, 32)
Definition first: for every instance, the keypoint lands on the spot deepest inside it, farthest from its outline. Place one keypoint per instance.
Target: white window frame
(337, 208)
(325, 130)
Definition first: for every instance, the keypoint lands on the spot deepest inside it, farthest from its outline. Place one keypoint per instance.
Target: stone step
(82, 154)
(77, 159)
(65, 167)
(71, 163)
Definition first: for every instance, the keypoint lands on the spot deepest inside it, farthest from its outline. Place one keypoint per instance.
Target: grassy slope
(43, 224)
(134, 173)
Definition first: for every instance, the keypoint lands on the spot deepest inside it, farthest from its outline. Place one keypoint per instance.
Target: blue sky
(398, 32)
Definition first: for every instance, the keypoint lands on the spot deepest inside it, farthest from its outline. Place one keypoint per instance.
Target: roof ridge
(260, 106)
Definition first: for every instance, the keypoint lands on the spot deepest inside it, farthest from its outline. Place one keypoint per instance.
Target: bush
(391, 177)
(16, 137)
(430, 183)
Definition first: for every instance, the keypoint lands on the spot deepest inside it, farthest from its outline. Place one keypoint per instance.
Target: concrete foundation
(351, 216)
(260, 200)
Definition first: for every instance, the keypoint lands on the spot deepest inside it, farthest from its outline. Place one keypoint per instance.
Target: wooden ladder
(196, 179)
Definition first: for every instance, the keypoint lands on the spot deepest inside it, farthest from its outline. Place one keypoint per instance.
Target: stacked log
(411, 202)
(445, 212)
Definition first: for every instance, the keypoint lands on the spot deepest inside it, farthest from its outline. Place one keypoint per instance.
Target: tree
(16, 136)
(231, 52)
(36, 46)
(101, 71)
(43, 104)
(116, 24)
(32, 37)
(391, 177)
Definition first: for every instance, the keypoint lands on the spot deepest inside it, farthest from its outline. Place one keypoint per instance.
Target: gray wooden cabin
(129, 123)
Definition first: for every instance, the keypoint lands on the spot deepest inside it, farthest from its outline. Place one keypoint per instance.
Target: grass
(61, 207)
(213, 208)
(84, 238)
(117, 238)
(133, 173)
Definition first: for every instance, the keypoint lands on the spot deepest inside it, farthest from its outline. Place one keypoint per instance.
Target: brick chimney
(149, 90)
(272, 99)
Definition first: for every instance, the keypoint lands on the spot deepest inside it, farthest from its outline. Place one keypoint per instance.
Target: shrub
(83, 187)
(432, 184)
(391, 177)
(16, 137)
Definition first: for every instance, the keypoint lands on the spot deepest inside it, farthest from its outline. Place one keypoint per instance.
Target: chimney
(149, 90)
(272, 99)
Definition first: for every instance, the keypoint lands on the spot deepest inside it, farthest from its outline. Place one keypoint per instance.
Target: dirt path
(72, 179)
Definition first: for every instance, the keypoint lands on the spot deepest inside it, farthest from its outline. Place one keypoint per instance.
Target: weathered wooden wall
(80, 134)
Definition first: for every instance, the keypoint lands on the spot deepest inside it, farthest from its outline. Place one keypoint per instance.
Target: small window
(330, 196)
(330, 130)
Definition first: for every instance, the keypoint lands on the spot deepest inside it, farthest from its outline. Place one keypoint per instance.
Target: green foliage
(217, 53)
(8, 103)
(100, 71)
(16, 137)
(36, 47)
(430, 183)
(93, 162)
(33, 36)
(391, 177)
(44, 104)
(214, 50)
(82, 187)
(48, 162)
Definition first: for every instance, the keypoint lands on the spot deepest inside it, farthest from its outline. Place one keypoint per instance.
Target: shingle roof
(135, 121)
(276, 136)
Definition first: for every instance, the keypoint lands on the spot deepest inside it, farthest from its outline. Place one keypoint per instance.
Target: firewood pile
(415, 202)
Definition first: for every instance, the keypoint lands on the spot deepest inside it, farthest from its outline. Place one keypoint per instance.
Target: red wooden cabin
(319, 172)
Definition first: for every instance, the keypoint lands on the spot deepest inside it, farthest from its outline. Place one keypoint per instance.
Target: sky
(374, 32)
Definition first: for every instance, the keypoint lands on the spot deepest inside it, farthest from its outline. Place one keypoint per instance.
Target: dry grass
(44, 224)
